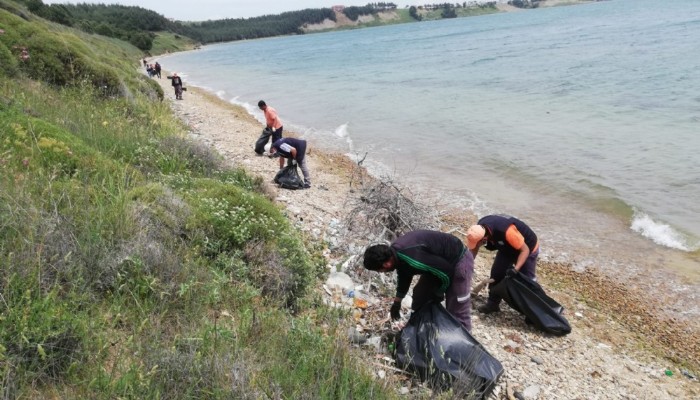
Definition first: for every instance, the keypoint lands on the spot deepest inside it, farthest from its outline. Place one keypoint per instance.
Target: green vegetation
(133, 263)
(225, 30)
(168, 42)
(155, 34)
(448, 10)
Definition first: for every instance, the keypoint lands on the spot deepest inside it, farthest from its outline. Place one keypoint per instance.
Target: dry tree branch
(382, 209)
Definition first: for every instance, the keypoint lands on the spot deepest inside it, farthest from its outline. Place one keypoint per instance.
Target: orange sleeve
(514, 237)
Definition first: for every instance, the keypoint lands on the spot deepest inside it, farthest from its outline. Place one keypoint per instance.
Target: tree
(141, 40)
(413, 12)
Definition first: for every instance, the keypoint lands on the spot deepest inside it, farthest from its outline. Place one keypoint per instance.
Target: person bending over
(444, 265)
(516, 247)
(295, 150)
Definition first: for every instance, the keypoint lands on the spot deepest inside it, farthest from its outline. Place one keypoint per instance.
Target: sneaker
(307, 185)
(488, 308)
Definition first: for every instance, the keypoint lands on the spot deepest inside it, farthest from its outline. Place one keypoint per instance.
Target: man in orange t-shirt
(516, 245)
(272, 121)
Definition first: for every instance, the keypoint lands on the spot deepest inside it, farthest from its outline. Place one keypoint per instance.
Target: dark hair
(261, 103)
(376, 255)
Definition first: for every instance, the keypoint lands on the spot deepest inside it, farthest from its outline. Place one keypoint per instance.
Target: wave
(343, 133)
(660, 233)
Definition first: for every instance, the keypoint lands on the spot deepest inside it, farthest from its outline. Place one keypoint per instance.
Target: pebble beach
(621, 345)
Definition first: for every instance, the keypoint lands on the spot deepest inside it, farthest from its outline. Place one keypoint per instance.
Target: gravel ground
(618, 349)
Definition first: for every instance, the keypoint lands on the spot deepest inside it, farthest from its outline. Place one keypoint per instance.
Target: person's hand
(294, 162)
(395, 310)
(511, 272)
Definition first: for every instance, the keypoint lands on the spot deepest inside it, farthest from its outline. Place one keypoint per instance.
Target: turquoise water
(582, 120)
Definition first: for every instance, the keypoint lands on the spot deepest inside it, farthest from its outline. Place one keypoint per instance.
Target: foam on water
(343, 133)
(661, 233)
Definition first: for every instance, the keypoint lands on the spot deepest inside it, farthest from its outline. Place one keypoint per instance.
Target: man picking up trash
(443, 263)
(295, 150)
(517, 250)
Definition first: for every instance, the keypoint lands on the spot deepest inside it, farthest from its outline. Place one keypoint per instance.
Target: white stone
(340, 280)
(531, 392)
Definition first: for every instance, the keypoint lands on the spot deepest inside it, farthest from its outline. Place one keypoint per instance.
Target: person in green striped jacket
(441, 260)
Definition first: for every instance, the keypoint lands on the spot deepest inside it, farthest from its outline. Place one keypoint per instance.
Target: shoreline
(231, 130)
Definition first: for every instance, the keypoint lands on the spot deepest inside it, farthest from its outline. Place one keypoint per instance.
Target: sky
(202, 10)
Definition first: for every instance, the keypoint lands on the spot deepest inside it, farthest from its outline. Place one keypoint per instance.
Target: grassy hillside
(168, 42)
(133, 263)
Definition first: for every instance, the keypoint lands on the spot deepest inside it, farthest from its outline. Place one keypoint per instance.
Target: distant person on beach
(157, 69)
(293, 149)
(145, 64)
(177, 84)
(443, 263)
(272, 120)
(516, 248)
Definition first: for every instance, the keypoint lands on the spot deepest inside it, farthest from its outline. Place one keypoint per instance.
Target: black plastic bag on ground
(528, 298)
(436, 346)
(288, 178)
(262, 140)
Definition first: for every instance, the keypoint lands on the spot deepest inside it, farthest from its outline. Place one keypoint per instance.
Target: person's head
(379, 257)
(262, 105)
(476, 234)
(174, 73)
(275, 146)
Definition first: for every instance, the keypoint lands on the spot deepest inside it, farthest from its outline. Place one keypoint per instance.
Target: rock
(536, 360)
(531, 392)
(340, 280)
(375, 341)
(355, 336)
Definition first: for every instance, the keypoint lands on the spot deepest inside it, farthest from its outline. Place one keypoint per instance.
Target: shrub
(41, 336)
(8, 62)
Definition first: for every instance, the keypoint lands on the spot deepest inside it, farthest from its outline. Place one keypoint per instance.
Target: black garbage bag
(528, 298)
(288, 178)
(262, 140)
(435, 346)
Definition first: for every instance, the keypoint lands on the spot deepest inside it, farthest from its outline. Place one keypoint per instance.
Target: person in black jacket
(441, 260)
(516, 248)
(177, 84)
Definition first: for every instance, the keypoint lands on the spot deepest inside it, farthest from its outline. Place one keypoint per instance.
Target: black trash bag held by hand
(436, 346)
(288, 178)
(528, 298)
(262, 140)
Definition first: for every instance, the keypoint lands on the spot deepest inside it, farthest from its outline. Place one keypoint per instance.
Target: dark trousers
(503, 262)
(458, 299)
(277, 135)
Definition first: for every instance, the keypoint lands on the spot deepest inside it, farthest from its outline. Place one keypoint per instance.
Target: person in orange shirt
(517, 250)
(272, 120)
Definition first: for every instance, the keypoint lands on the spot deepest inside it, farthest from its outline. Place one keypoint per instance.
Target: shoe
(307, 185)
(488, 308)
(528, 321)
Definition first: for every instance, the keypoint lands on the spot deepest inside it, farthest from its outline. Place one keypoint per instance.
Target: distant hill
(141, 27)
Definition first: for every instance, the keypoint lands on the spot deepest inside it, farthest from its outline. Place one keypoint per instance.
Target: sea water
(584, 121)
